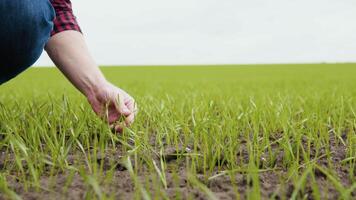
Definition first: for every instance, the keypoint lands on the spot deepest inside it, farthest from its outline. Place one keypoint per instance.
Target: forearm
(70, 53)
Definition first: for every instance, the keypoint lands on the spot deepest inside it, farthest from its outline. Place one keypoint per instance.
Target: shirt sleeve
(65, 19)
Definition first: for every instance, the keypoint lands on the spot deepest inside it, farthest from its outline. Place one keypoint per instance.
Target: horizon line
(212, 65)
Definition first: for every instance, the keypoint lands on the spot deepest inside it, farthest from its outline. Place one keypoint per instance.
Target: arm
(70, 54)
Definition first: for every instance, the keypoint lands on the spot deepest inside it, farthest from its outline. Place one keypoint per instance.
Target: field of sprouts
(202, 132)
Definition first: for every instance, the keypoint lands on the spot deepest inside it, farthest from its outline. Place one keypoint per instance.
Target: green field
(213, 132)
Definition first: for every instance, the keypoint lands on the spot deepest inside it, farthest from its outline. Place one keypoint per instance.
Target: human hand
(114, 105)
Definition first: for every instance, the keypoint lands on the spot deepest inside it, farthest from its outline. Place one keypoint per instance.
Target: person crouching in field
(29, 26)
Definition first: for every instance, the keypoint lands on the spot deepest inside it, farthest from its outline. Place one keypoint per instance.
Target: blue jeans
(25, 27)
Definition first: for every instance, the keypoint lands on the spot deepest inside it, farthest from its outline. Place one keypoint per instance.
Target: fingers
(130, 119)
(122, 108)
(131, 106)
(117, 128)
(114, 106)
(117, 108)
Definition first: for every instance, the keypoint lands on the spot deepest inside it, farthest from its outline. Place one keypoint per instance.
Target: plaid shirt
(65, 19)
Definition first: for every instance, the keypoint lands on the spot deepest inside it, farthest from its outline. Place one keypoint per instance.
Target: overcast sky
(142, 32)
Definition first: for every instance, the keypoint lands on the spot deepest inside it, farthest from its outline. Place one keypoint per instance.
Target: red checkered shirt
(65, 19)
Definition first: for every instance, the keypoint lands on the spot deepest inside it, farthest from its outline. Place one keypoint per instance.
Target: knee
(30, 28)
(27, 26)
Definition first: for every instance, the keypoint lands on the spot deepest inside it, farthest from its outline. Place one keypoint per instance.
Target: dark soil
(274, 184)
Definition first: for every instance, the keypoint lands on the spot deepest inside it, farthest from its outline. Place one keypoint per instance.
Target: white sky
(142, 32)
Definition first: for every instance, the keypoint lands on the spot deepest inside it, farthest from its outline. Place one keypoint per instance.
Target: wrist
(93, 87)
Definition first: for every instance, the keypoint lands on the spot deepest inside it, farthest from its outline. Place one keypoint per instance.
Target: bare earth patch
(274, 183)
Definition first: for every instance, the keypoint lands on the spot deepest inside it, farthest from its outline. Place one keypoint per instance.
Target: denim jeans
(25, 27)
